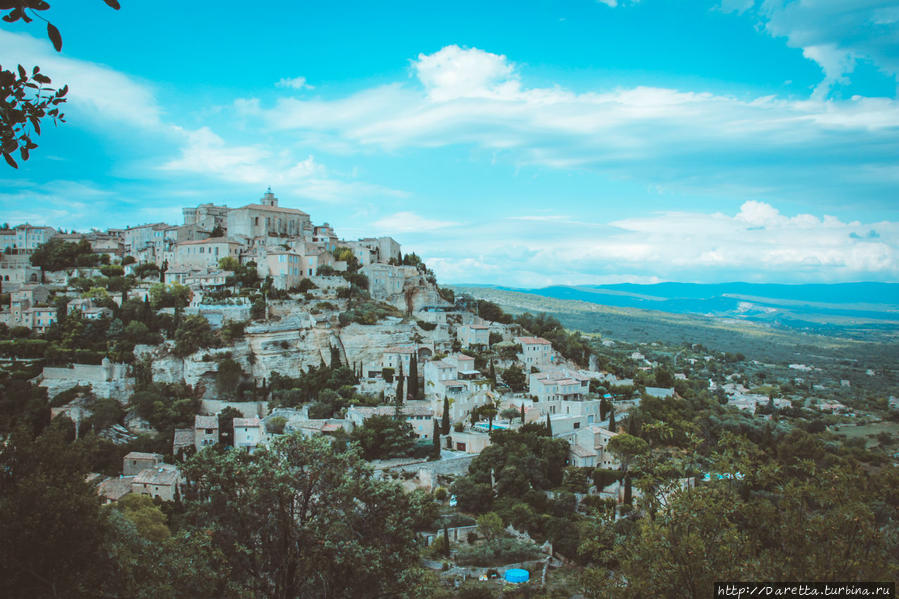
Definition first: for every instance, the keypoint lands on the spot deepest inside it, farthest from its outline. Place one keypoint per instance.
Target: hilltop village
(204, 369)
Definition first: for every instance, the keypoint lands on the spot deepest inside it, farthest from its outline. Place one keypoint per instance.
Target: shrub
(497, 553)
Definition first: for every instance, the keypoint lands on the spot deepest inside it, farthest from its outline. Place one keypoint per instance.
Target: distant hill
(776, 322)
(848, 308)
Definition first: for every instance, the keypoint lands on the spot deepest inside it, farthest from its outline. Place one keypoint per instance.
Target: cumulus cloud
(294, 83)
(453, 73)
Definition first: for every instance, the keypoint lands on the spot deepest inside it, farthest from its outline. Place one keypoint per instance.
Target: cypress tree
(549, 426)
(612, 418)
(399, 391)
(413, 378)
(522, 412)
(445, 423)
(435, 454)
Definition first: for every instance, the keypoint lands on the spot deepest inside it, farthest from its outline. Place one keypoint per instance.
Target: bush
(497, 553)
(276, 425)
(426, 326)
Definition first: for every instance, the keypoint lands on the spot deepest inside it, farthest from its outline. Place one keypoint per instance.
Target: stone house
(206, 431)
(137, 461)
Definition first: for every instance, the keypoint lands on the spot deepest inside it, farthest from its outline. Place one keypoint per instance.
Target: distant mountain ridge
(805, 306)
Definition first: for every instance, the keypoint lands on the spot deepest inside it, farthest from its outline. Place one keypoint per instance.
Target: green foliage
(228, 377)
(57, 254)
(146, 270)
(367, 312)
(515, 378)
(497, 553)
(276, 425)
(301, 520)
(148, 519)
(193, 334)
(426, 326)
(175, 295)
(51, 522)
(382, 437)
(167, 407)
(229, 263)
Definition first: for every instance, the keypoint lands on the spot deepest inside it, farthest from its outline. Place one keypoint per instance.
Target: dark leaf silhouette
(55, 37)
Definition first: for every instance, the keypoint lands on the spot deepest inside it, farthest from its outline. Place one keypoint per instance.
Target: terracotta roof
(272, 209)
(246, 422)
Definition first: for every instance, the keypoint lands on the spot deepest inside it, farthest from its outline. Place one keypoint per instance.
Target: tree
(146, 516)
(490, 525)
(192, 334)
(24, 99)
(515, 378)
(301, 520)
(226, 425)
(612, 418)
(549, 426)
(382, 437)
(627, 447)
(228, 377)
(445, 421)
(414, 388)
(51, 523)
(435, 452)
(400, 393)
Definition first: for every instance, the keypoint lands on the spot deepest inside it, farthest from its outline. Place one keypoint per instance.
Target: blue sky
(523, 144)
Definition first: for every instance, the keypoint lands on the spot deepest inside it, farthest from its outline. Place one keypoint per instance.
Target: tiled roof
(272, 209)
(157, 476)
(533, 341)
(115, 488)
(206, 422)
(211, 240)
(246, 422)
(141, 455)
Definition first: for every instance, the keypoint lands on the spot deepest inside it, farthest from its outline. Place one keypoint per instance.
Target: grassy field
(870, 431)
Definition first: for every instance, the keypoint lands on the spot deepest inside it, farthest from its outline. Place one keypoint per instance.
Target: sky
(511, 143)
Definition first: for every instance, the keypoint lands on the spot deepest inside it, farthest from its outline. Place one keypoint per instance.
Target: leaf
(10, 161)
(113, 4)
(22, 73)
(36, 123)
(55, 37)
(41, 78)
(24, 152)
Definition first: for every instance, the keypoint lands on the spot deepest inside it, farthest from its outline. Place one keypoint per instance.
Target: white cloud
(294, 83)
(454, 72)
(757, 242)
(407, 222)
(836, 34)
(106, 96)
(663, 136)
